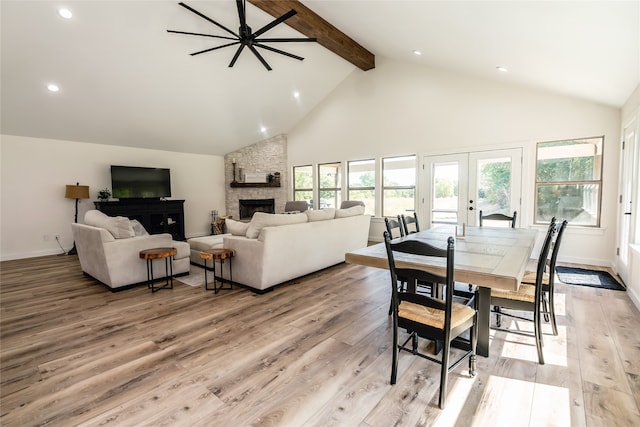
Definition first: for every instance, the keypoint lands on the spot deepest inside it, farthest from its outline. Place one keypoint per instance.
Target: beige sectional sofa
(109, 247)
(272, 249)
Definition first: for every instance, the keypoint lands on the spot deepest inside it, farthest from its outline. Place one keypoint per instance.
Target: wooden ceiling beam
(310, 24)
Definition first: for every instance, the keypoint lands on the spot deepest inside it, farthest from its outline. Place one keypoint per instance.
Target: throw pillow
(261, 220)
(236, 228)
(119, 226)
(353, 211)
(321, 215)
(138, 229)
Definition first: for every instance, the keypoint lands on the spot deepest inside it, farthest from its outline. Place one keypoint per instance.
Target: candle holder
(234, 170)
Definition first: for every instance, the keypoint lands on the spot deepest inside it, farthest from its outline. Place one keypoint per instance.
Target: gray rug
(583, 277)
(195, 277)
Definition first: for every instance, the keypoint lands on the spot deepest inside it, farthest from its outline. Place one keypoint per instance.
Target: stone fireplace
(248, 207)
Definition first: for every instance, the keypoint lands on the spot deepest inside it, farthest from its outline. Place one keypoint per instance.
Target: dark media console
(156, 216)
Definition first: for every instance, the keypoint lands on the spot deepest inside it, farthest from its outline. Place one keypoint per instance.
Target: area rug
(593, 278)
(195, 277)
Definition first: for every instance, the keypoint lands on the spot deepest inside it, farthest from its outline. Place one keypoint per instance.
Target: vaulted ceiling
(125, 81)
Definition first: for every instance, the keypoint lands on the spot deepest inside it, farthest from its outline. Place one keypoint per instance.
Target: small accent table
(159, 253)
(218, 254)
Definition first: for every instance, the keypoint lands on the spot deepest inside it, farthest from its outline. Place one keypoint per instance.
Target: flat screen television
(132, 182)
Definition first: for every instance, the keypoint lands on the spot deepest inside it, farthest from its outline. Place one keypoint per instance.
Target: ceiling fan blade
(207, 18)
(257, 54)
(200, 34)
(281, 52)
(309, 39)
(213, 48)
(241, 14)
(274, 23)
(235, 57)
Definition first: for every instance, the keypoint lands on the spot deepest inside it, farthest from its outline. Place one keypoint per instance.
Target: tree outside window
(303, 184)
(329, 185)
(569, 181)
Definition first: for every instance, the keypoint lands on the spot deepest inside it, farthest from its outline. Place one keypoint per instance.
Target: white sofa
(109, 247)
(272, 249)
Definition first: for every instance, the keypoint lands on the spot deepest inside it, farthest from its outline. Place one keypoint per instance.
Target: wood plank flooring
(314, 352)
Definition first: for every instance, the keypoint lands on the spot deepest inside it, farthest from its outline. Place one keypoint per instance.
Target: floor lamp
(76, 192)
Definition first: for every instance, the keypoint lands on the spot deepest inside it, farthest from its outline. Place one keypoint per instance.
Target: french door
(627, 213)
(459, 185)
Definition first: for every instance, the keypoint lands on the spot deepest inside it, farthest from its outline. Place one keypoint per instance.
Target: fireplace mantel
(235, 184)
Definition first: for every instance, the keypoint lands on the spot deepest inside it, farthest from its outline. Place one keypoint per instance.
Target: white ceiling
(125, 81)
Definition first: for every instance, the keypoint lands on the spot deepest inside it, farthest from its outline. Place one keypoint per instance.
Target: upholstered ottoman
(199, 244)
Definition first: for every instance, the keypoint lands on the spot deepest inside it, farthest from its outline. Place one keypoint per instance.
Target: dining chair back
(527, 298)
(410, 224)
(296, 206)
(499, 217)
(426, 317)
(394, 227)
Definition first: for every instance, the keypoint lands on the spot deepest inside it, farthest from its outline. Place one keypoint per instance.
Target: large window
(303, 183)
(569, 181)
(329, 185)
(398, 185)
(361, 181)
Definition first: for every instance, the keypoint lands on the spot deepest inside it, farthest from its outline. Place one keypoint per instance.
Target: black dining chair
(410, 224)
(548, 279)
(527, 298)
(426, 317)
(394, 227)
(499, 217)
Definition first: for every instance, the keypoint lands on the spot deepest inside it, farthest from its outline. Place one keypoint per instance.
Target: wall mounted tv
(131, 182)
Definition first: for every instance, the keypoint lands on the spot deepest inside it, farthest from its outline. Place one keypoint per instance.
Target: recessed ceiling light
(296, 94)
(53, 87)
(263, 129)
(417, 52)
(502, 69)
(65, 13)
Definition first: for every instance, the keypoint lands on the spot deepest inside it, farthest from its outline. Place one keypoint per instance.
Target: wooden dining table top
(491, 257)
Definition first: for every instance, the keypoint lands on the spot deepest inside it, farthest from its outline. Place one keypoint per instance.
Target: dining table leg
(484, 313)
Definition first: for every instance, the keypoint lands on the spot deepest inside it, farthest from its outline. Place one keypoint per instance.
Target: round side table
(218, 254)
(159, 253)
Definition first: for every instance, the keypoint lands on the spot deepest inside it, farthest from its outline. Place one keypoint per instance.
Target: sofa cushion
(138, 229)
(207, 242)
(262, 219)
(236, 228)
(352, 211)
(321, 215)
(118, 226)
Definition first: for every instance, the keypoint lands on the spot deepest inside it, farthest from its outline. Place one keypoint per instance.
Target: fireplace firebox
(250, 206)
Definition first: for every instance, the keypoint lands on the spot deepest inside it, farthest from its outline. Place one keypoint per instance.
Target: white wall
(35, 171)
(400, 108)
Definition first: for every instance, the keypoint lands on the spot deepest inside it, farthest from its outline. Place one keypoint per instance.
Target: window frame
(336, 190)
(598, 182)
(399, 187)
(368, 188)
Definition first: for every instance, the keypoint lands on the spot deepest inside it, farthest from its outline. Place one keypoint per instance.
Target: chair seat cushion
(524, 293)
(434, 317)
(530, 277)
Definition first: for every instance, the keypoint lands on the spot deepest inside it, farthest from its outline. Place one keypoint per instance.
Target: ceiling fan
(245, 37)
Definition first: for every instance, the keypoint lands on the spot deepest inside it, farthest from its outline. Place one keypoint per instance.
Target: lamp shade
(77, 192)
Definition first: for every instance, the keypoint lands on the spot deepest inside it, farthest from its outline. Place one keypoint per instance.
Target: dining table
(488, 257)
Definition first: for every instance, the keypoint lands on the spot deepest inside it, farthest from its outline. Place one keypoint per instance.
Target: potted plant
(103, 195)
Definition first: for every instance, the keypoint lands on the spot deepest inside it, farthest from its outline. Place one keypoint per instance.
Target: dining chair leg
(538, 335)
(444, 374)
(394, 359)
(552, 314)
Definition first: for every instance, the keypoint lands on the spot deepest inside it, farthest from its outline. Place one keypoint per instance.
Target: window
(569, 181)
(398, 185)
(361, 181)
(329, 185)
(303, 183)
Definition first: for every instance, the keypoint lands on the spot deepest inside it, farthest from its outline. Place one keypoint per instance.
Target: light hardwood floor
(314, 352)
